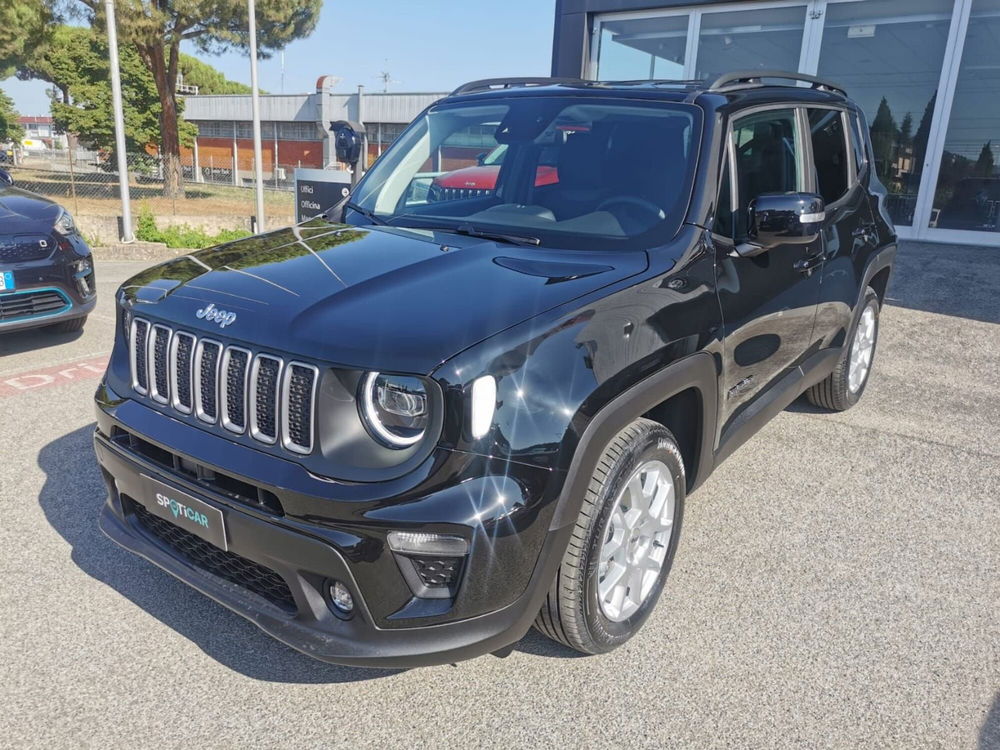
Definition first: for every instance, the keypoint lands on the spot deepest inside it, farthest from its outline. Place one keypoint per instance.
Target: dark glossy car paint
(41, 261)
(581, 343)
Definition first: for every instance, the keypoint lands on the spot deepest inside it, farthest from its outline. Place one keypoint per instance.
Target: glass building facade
(926, 73)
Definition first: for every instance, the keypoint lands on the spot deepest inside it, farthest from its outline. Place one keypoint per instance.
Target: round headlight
(395, 408)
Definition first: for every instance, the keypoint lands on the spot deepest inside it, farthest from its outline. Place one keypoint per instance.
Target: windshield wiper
(368, 214)
(470, 231)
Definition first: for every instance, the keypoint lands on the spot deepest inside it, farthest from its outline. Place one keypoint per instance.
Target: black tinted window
(768, 158)
(829, 147)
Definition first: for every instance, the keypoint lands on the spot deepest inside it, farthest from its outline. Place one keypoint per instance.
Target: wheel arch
(672, 396)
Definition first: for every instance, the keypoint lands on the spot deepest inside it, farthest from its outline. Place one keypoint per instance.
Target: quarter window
(829, 146)
(768, 158)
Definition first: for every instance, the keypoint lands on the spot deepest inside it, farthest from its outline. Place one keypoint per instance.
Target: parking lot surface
(837, 582)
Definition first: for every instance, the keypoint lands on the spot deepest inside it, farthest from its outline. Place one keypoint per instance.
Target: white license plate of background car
(6, 281)
(185, 511)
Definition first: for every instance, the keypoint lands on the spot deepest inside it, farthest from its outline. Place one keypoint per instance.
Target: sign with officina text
(318, 189)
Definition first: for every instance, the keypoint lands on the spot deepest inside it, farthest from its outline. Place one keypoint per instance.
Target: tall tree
(24, 25)
(985, 162)
(158, 27)
(208, 80)
(9, 128)
(906, 130)
(884, 135)
(923, 134)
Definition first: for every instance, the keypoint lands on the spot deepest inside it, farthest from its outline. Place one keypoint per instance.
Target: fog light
(341, 597)
(420, 543)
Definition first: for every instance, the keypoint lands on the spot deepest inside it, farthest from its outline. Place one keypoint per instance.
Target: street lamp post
(258, 167)
(116, 103)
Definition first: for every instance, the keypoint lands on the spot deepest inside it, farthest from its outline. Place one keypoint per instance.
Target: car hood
(467, 177)
(371, 298)
(21, 212)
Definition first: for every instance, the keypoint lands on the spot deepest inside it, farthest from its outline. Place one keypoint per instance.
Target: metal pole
(116, 102)
(258, 162)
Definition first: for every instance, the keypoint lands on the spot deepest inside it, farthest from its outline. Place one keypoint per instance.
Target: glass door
(645, 47)
(966, 196)
(888, 54)
(758, 38)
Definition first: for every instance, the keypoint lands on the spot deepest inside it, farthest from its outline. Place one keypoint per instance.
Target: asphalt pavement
(837, 582)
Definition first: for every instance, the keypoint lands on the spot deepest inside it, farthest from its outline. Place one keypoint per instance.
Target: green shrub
(181, 236)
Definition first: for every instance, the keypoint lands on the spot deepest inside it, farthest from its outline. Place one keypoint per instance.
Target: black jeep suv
(46, 270)
(402, 433)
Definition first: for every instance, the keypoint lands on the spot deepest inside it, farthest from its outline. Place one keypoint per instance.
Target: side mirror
(783, 219)
(481, 158)
(5, 178)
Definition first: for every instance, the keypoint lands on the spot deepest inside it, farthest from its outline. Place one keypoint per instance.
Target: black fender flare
(697, 371)
(879, 261)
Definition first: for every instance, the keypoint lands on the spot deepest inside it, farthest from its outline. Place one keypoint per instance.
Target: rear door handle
(866, 234)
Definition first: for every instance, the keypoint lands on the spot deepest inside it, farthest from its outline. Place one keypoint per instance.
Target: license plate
(6, 281)
(185, 511)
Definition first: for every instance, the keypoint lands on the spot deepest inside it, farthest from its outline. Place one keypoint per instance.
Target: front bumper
(512, 560)
(56, 275)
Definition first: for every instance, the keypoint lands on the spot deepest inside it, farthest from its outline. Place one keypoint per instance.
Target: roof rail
(488, 84)
(746, 78)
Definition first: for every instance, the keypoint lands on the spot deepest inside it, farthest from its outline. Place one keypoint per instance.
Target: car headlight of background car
(65, 225)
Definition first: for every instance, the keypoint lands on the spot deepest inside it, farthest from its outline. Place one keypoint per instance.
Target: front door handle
(808, 264)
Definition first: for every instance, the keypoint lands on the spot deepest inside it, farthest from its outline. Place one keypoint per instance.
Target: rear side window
(829, 146)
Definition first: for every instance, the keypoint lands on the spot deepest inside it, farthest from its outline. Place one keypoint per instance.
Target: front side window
(829, 147)
(574, 172)
(768, 158)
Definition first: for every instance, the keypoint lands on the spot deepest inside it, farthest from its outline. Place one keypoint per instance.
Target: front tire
(623, 543)
(844, 387)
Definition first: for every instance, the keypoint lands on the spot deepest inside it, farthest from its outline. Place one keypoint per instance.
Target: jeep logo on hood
(212, 314)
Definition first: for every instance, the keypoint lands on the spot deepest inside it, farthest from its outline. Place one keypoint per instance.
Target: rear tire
(67, 326)
(623, 543)
(845, 386)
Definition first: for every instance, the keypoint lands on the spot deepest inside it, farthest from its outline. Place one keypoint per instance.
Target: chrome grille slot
(298, 400)
(235, 364)
(138, 359)
(181, 361)
(206, 380)
(265, 383)
(159, 383)
(245, 393)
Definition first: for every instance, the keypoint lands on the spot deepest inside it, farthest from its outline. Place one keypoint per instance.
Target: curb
(151, 251)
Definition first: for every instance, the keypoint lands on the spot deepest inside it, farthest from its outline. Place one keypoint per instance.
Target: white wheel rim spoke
(862, 349)
(635, 541)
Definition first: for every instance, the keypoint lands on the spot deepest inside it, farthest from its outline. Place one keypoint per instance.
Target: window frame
(804, 175)
(846, 128)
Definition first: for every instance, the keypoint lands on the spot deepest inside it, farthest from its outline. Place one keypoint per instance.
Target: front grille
(234, 386)
(437, 571)
(454, 194)
(264, 383)
(207, 383)
(138, 355)
(245, 392)
(255, 577)
(21, 249)
(19, 305)
(300, 389)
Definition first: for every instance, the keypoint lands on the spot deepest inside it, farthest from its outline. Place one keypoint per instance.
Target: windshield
(573, 172)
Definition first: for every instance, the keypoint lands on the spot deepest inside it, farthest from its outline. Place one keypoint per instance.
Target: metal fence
(214, 196)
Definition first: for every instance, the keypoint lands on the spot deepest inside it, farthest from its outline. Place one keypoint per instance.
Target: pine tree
(985, 162)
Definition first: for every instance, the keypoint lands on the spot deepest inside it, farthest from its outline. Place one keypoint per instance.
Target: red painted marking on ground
(70, 372)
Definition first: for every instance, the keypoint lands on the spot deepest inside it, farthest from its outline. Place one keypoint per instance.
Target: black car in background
(46, 269)
(403, 433)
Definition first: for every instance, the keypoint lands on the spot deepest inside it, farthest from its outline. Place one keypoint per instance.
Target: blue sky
(427, 45)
